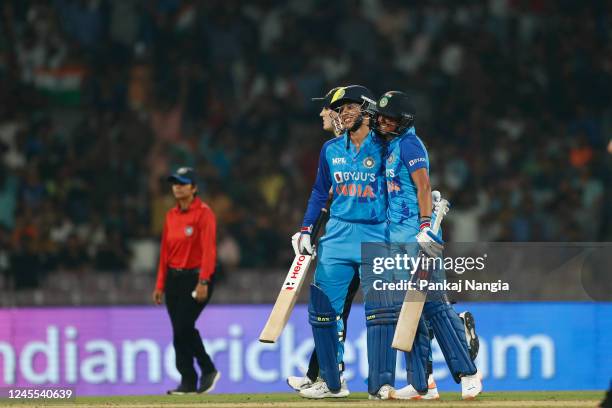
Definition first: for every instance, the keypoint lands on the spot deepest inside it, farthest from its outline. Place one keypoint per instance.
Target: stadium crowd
(100, 100)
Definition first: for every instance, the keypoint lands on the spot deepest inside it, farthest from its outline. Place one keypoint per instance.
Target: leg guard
(417, 361)
(381, 317)
(450, 333)
(325, 332)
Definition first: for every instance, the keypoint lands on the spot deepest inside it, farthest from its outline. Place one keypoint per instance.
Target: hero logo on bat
(294, 274)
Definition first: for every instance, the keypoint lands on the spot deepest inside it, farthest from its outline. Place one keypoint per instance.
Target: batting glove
(430, 243)
(304, 245)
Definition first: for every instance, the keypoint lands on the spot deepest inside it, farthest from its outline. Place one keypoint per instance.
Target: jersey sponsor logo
(369, 162)
(355, 190)
(339, 160)
(189, 230)
(390, 173)
(415, 161)
(342, 176)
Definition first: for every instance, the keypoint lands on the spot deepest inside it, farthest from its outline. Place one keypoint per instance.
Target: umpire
(185, 273)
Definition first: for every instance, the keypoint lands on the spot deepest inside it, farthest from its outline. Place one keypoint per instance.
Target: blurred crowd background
(100, 100)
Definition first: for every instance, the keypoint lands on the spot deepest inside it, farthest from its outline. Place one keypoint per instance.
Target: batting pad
(418, 359)
(449, 331)
(381, 317)
(322, 317)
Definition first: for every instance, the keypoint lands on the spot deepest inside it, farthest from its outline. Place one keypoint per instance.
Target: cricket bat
(291, 288)
(412, 308)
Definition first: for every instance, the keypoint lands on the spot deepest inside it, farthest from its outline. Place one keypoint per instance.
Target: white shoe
(299, 383)
(384, 393)
(409, 393)
(471, 386)
(319, 390)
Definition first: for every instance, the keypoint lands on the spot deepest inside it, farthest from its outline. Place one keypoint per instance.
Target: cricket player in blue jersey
(409, 213)
(352, 167)
(331, 123)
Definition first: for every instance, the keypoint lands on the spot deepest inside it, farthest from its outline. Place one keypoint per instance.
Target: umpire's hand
(157, 296)
(201, 292)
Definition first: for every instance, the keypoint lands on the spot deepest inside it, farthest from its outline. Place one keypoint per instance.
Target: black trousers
(184, 311)
(313, 365)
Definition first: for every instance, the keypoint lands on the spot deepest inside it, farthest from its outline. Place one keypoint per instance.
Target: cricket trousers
(184, 311)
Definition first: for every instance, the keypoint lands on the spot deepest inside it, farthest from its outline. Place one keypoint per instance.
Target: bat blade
(287, 297)
(412, 307)
(407, 324)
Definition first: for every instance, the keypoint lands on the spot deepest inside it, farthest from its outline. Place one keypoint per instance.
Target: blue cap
(184, 175)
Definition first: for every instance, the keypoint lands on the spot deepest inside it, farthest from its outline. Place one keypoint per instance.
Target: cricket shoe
(182, 390)
(320, 390)
(471, 386)
(384, 393)
(208, 382)
(409, 393)
(299, 383)
(470, 333)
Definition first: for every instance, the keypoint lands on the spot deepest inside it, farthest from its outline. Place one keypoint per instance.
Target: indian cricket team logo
(383, 101)
(390, 158)
(189, 230)
(368, 162)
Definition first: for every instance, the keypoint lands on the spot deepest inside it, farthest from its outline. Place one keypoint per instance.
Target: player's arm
(318, 199)
(414, 157)
(421, 181)
(162, 268)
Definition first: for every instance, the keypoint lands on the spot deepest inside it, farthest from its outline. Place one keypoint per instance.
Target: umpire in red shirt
(185, 273)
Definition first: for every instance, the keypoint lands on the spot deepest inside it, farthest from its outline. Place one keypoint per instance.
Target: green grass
(520, 399)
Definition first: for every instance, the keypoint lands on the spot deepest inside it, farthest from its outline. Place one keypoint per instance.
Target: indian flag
(61, 85)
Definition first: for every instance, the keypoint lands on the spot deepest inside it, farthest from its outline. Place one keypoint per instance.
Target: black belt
(182, 271)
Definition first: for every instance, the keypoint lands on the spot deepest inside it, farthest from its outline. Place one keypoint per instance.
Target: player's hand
(157, 296)
(304, 245)
(430, 243)
(201, 293)
(294, 242)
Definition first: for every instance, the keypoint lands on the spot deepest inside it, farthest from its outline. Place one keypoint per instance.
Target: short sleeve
(413, 154)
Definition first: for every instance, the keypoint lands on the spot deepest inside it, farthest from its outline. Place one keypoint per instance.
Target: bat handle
(440, 212)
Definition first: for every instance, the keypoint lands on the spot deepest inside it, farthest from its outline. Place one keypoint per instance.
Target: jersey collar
(194, 204)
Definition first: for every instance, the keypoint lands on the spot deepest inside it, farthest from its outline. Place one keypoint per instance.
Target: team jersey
(406, 154)
(356, 179)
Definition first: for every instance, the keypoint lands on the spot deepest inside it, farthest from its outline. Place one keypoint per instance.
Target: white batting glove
(294, 242)
(304, 245)
(430, 243)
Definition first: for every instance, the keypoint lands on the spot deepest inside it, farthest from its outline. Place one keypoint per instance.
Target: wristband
(306, 230)
(203, 282)
(425, 222)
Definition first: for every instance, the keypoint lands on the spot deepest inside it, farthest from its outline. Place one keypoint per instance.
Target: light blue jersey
(406, 154)
(356, 179)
